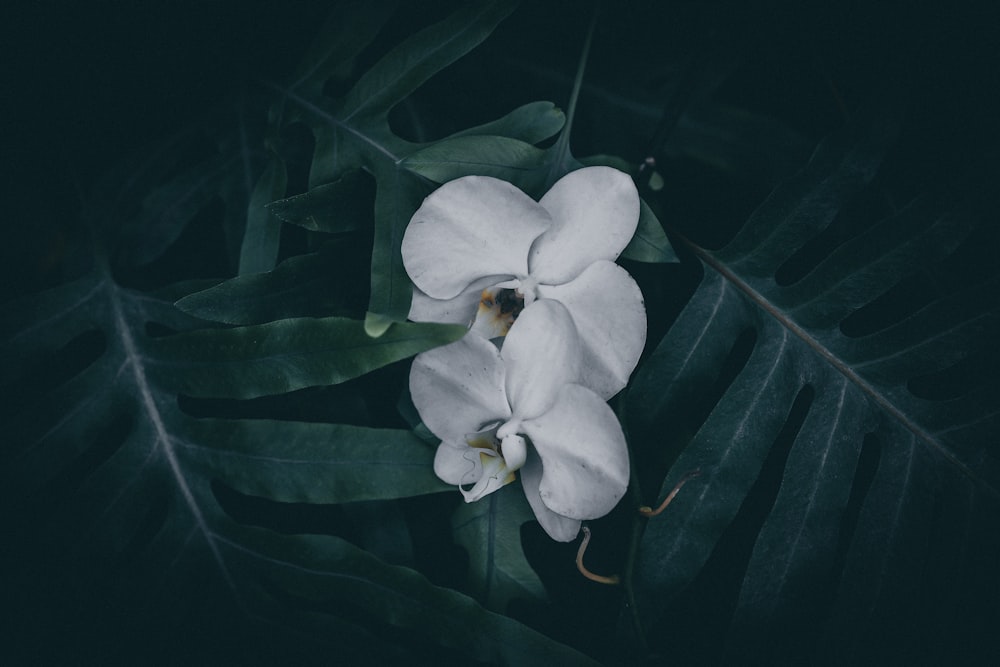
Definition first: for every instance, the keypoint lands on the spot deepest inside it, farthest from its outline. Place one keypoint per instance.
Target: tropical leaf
(534, 170)
(259, 250)
(132, 467)
(341, 206)
(149, 470)
(312, 285)
(816, 452)
(356, 134)
(490, 531)
(286, 355)
(152, 200)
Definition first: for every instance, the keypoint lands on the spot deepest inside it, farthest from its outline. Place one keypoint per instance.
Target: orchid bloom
(519, 409)
(479, 251)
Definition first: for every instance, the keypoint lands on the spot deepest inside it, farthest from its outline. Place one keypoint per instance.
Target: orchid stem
(613, 580)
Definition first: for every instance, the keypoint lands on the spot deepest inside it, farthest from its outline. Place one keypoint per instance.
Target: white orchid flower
(478, 245)
(519, 409)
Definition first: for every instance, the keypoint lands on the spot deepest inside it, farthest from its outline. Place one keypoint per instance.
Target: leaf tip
(376, 325)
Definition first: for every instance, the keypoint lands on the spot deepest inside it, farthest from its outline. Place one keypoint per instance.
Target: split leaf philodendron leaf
(344, 205)
(165, 190)
(344, 35)
(308, 568)
(337, 207)
(356, 134)
(301, 462)
(106, 449)
(490, 531)
(259, 250)
(314, 285)
(650, 243)
(817, 407)
(116, 424)
(505, 158)
(531, 123)
(285, 355)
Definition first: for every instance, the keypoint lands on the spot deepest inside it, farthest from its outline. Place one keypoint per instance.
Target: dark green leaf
(399, 196)
(757, 386)
(650, 243)
(298, 462)
(263, 230)
(139, 513)
(315, 285)
(357, 134)
(341, 206)
(500, 157)
(168, 209)
(408, 66)
(490, 531)
(286, 355)
(337, 578)
(530, 123)
(346, 32)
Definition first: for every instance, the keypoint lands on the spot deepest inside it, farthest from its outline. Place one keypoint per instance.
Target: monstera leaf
(125, 485)
(859, 505)
(209, 454)
(146, 469)
(354, 133)
(490, 533)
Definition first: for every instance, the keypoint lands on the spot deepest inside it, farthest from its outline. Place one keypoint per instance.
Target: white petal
(468, 229)
(595, 211)
(558, 527)
(458, 310)
(607, 307)
(541, 353)
(457, 463)
(459, 388)
(585, 467)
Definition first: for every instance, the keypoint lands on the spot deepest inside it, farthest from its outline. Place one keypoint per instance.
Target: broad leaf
(757, 375)
(259, 250)
(490, 531)
(313, 285)
(146, 472)
(285, 355)
(355, 133)
(516, 160)
(340, 206)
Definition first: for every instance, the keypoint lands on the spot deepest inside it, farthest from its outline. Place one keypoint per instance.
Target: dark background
(89, 84)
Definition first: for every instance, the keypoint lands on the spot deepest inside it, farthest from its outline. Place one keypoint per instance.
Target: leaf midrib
(145, 395)
(867, 388)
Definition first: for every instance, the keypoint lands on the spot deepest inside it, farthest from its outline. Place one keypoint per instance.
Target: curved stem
(599, 578)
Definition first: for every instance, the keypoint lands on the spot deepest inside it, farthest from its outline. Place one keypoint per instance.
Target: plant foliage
(863, 461)
(210, 454)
